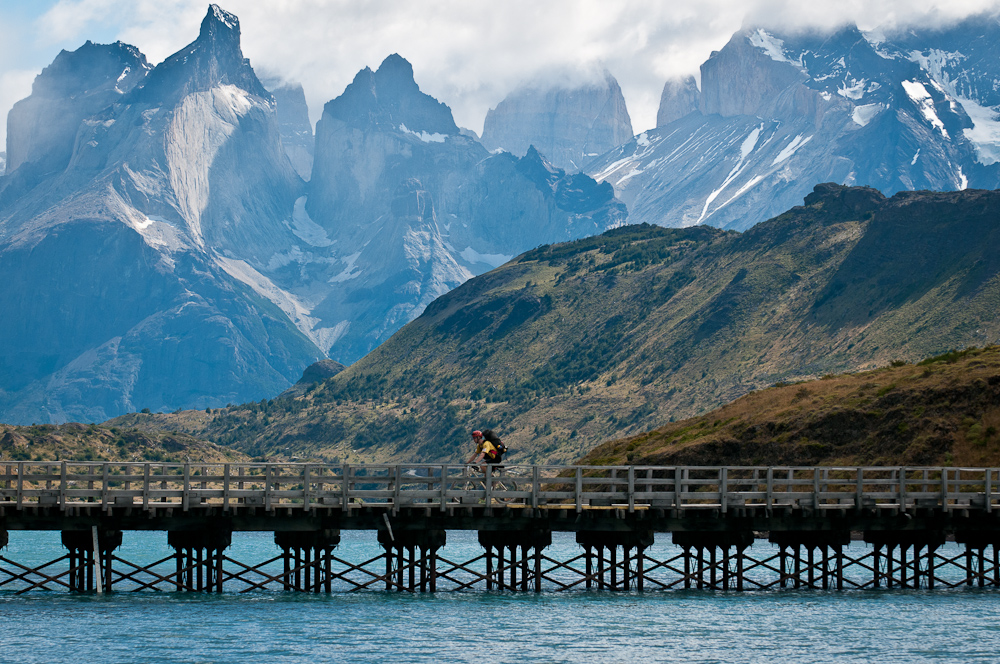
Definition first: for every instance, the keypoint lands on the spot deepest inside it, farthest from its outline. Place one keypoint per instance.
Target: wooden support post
(489, 568)
(739, 569)
(589, 557)
(840, 567)
(97, 556)
(725, 567)
(538, 569)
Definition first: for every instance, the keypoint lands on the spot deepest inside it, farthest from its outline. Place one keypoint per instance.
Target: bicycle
(503, 483)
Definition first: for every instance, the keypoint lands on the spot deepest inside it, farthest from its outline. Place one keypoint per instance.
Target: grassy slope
(943, 411)
(578, 343)
(79, 442)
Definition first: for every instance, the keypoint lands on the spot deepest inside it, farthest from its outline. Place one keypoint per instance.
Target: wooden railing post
(816, 489)
(225, 487)
(860, 490)
(62, 486)
(769, 500)
(345, 486)
(579, 489)
(104, 486)
(534, 487)
(631, 488)
(723, 487)
(678, 487)
(988, 490)
(185, 496)
(267, 488)
(305, 487)
(902, 488)
(489, 487)
(145, 486)
(944, 489)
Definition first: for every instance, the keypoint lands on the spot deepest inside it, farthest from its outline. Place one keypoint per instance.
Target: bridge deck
(39, 495)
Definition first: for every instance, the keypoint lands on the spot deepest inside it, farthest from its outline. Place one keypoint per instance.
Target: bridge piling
(307, 559)
(717, 564)
(511, 551)
(80, 545)
(632, 543)
(199, 555)
(415, 553)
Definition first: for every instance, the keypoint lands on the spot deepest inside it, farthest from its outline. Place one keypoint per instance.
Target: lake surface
(941, 625)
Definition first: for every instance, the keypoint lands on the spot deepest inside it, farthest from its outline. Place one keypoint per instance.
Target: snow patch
(962, 182)
(771, 45)
(150, 220)
(855, 91)
(790, 149)
(305, 228)
(231, 101)
(985, 131)
(750, 142)
(349, 272)
(863, 114)
(494, 260)
(642, 140)
(916, 91)
(288, 303)
(423, 135)
(914, 160)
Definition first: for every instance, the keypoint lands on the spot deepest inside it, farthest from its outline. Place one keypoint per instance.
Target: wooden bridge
(713, 514)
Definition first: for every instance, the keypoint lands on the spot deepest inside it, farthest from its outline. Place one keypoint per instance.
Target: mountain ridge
(572, 344)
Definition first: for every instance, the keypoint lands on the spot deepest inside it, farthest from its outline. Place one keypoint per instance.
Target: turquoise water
(961, 625)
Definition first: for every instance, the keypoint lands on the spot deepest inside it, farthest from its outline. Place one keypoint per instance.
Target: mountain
(778, 113)
(569, 124)
(573, 344)
(137, 207)
(159, 249)
(411, 207)
(941, 411)
(293, 123)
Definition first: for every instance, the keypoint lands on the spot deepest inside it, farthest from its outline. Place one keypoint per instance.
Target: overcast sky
(467, 53)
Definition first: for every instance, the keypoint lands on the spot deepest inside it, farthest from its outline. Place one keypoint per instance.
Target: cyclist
(486, 452)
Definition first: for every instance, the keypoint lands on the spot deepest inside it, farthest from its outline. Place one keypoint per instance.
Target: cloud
(471, 54)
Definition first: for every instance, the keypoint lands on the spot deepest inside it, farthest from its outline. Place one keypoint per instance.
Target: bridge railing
(273, 486)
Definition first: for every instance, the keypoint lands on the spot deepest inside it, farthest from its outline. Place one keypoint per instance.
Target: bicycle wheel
(501, 489)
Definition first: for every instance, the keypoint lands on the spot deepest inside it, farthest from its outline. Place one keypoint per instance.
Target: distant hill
(574, 344)
(944, 410)
(81, 442)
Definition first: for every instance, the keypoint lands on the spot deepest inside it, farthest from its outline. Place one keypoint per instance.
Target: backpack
(495, 440)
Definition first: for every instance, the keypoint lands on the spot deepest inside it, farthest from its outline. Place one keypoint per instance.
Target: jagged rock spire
(214, 58)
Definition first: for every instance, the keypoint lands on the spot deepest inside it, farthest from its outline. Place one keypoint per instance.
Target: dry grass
(943, 411)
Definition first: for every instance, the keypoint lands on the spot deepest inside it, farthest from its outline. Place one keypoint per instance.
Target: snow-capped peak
(224, 17)
(771, 45)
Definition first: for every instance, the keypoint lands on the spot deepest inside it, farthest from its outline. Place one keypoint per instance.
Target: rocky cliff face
(680, 96)
(780, 113)
(42, 129)
(455, 210)
(133, 232)
(162, 251)
(293, 124)
(570, 126)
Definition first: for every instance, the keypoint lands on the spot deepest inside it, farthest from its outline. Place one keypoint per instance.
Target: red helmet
(477, 434)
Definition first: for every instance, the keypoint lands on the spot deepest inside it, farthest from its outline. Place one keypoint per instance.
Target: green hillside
(574, 344)
(943, 411)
